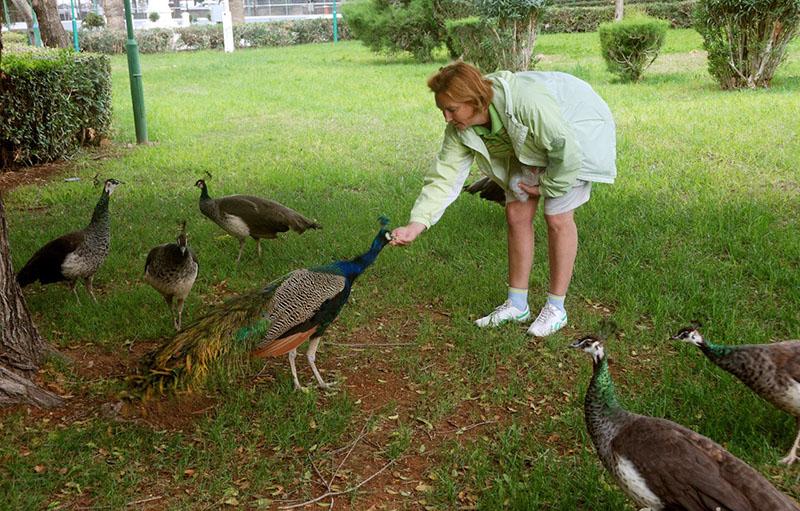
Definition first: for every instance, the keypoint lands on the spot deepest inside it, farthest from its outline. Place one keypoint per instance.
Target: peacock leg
(73, 284)
(89, 287)
(311, 354)
(179, 307)
(292, 356)
(241, 249)
(792, 456)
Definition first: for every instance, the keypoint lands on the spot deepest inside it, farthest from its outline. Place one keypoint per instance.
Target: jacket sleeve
(444, 180)
(553, 134)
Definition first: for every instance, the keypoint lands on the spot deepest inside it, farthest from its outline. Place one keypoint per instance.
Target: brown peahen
(770, 370)
(171, 269)
(74, 256)
(245, 215)
(662, 465)
(268, 322)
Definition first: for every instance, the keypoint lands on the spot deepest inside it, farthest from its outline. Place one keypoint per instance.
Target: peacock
(487, 189)
(771, 370)
(268, 322)
(662, 465)
(171, 269)
(246, 215)
(76, 255)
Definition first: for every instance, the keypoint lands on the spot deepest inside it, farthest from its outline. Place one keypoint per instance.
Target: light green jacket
(554, 120)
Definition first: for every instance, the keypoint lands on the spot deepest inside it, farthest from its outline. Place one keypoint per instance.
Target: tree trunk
(53, 33)
(115, 15)
(237, 11)
(21, 347)
(619, 10)
(25, 9)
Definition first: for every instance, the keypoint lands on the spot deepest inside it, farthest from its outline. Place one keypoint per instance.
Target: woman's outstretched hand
(406, 234)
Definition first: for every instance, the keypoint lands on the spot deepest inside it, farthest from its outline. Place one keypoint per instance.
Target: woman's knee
(561, 222)
(520, 214)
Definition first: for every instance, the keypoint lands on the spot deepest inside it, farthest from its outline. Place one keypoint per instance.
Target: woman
(542, 137)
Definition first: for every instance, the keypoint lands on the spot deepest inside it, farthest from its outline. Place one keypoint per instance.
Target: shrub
(588, 18)
(103, 41)
(155, 40)
(746, 39)
(153, 16)
(631, 45)
(392, 27)
(263, 34)
(473, 39)
(93, 20)
(318, 30)
(15, 38)
(200, 37)
(517, 22)
(51, 102)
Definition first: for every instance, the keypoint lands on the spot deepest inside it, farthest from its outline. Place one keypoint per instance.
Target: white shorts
(575, 197)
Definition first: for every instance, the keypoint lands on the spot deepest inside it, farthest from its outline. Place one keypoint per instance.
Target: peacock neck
(204, 193)
(100, 215)
(356, 266)
(602, 409)
(716, 352)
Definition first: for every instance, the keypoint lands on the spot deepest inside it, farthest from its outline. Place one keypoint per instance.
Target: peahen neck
(204, 193)
(602, 409)
(716, 351)
(100, 215)
(356, 266)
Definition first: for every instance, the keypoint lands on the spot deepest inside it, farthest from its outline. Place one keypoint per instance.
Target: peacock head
(183, 238)
(591, 345)
(110, 185)
(384, 235)
(689, 334)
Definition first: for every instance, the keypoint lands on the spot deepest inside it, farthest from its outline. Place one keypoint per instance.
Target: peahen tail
(219, 340)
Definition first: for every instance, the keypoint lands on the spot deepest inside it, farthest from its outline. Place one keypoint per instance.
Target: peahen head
(691, 335)
(109, 186)
(183, 239)
(591, 345)
(200, 183)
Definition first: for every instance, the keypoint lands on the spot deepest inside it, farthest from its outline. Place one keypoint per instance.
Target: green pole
(135, 73)
(5, 12)
(37, 35)
(74, 27)
(335, 24)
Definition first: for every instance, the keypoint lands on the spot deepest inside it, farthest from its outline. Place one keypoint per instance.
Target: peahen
(487, 189)
(268, 322)
(246, 215)
(74, 256)
(770, 370)
(662, 465)
(171, 269)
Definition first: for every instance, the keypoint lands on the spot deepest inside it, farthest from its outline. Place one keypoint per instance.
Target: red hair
(462, 83)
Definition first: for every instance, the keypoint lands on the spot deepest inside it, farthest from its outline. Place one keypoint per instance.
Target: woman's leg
(562, 236)
(519, 216)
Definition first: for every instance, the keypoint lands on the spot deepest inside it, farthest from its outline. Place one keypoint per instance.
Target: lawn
(702, 224)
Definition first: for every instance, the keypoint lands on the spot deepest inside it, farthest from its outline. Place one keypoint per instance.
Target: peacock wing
(786, 356)
(45, 264)
(303, 296)
(689, 471)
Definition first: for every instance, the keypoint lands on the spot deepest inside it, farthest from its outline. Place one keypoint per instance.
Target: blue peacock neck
(356, 266)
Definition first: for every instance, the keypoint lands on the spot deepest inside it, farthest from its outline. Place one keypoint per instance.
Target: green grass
(701, 224)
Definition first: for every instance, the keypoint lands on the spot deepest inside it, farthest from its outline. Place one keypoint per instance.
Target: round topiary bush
(631, 45)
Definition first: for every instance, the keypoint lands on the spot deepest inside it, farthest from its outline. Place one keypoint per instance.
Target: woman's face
(460, 115)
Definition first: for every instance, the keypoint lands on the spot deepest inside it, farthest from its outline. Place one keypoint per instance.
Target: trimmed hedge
(51, 103)
(209, 37)
(631, 45)
(588, 19)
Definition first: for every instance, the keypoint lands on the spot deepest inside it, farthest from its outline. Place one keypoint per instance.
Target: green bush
(746, 39)
(103, 41)
(631, 45)
(16, 38)
(318, 30)
(200, 37)
(473, 39)
(393, 27)
(264, 34)
(153, 16)
(589, 18)
(51, 102)
(155, 40)
(93, 20)
(517, 27)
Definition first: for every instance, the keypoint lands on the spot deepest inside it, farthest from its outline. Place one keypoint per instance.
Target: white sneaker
(551, 319)
(504, 313)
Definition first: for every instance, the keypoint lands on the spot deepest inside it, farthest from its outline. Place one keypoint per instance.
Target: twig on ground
(370, 344)
(343, 492)
(467, 428)
(143, 501)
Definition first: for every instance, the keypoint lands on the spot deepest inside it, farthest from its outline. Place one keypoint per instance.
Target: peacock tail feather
(184, 363)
